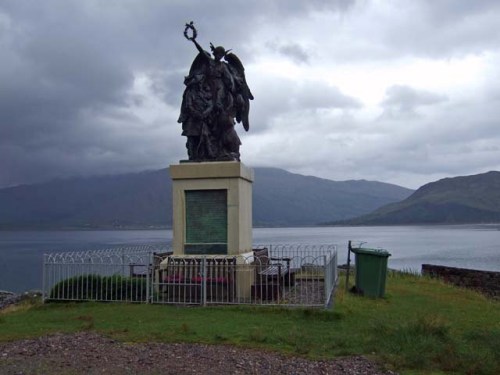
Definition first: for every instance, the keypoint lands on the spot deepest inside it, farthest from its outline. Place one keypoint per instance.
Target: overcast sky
(405, 92)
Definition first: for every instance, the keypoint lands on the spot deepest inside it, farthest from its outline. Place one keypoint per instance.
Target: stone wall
(486, 282)
(9, 298)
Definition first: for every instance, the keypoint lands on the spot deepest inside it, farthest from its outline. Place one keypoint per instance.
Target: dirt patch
(91, 353)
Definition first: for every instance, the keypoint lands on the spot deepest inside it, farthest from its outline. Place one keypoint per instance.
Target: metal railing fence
(112, 274)
(331, 280)
(286, 275)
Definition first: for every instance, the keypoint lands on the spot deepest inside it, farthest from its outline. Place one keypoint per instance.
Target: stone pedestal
(212, 208)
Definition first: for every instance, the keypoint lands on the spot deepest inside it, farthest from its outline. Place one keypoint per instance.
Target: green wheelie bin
(371, 271)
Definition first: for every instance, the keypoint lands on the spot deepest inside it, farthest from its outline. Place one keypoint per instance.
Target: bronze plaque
(206, 222)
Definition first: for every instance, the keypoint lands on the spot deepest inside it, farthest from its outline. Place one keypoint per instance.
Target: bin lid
(375, 252)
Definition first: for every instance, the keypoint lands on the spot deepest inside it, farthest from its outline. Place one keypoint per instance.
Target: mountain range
(280, 198)
(144, 200)
(457, 200)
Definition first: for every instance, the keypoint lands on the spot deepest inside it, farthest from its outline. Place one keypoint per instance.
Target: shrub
(100, 288)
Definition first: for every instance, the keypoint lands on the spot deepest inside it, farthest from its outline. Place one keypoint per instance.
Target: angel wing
(243, 93)
(199, 63)
(196, 72)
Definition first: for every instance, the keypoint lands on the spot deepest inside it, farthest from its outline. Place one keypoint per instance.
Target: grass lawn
(422, 326)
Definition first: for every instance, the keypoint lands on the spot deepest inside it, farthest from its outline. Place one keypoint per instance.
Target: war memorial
(212, 258)
(212, 190)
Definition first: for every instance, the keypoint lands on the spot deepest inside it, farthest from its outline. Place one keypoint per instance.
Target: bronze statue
(216, 94)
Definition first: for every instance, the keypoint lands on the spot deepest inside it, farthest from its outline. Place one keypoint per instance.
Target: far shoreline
(159, 228)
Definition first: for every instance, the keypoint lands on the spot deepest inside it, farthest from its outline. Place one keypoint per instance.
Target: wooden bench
(272, 274)
(280, 270)
(142, 270)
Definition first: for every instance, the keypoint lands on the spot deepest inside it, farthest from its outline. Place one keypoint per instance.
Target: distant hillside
(467, 199)
(282, 198)
(142, 200)
(128, 200)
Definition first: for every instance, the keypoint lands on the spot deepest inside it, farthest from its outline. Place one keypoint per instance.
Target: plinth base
(212, 208)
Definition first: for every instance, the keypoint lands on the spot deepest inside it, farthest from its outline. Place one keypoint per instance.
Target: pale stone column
(234, 178)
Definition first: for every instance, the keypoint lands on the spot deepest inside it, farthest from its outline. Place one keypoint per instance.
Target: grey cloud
(461, 139)
(286, 97)
(168, 85)
(429, 29)
(457, 138)
(445, 28)
(453, 11)
(68, 67)
(64, 59)
(404, 101)
(294, 51)
(318, 95)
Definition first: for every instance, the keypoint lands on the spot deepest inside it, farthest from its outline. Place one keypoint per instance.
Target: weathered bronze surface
(206, 216)
(216, 95)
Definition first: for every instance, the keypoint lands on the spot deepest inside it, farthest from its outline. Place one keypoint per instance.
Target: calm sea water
(471, 246)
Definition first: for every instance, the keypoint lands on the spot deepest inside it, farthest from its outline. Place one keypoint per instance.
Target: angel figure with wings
(216, 96)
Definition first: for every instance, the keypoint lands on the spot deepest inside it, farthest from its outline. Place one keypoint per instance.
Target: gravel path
(91, 353)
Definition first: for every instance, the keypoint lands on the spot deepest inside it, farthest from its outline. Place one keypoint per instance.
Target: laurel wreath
(190, 26)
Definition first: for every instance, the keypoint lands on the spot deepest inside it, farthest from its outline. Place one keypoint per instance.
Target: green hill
(458, 200)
